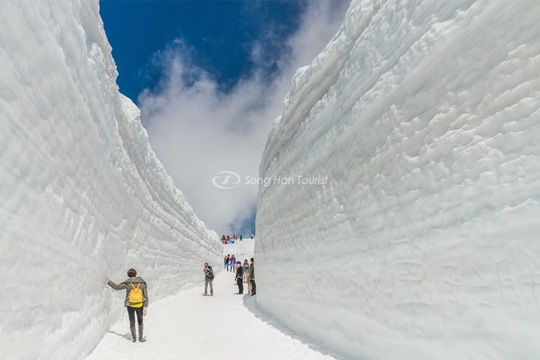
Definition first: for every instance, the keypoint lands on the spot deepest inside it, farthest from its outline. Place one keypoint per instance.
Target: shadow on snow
(251, 304)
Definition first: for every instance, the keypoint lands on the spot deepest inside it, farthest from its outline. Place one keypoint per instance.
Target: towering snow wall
(82, 195)
(414, 223)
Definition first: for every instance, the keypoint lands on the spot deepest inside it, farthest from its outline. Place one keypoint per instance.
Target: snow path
(191, 326)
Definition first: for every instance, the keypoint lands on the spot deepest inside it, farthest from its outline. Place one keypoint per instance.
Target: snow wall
(82, 195)
(412, 232)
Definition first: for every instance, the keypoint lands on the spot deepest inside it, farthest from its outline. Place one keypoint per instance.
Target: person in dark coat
(226, 262)
(140, 307)
(240, 278)
(251, 277)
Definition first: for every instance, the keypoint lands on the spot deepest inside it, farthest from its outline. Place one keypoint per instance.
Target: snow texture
(189, 326)
(82, 194)
(422, 243)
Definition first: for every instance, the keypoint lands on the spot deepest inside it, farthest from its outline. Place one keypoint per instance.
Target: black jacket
(207, 273)
(240, 273)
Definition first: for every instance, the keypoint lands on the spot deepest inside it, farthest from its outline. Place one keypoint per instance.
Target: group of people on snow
(245, 273)
(136, 300)
(229, 263)
(226, 239)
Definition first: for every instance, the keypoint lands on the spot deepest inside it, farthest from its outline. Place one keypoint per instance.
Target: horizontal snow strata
(421, 119)
(82, 195)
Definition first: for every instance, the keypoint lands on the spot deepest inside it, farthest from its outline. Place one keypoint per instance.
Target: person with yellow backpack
(136, 300)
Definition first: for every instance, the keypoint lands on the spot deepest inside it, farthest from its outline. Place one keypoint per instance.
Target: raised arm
(114, 286)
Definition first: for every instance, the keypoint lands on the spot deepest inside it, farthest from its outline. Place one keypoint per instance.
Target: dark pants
(240, 283)
(131, 313)
(253, 292)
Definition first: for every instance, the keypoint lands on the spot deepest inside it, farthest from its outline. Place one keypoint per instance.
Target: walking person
(226, 262)
(208, 279)
(136, 300)
(240, 278)
(251, 277)
(233, 263)
(246, 270)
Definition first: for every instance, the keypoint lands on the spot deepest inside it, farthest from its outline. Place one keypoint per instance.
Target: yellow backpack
(135, 296)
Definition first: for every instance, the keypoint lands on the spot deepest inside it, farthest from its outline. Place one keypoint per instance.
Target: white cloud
(197, 130)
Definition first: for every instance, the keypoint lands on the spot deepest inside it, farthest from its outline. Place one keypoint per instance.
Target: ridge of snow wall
(82, 194)
(415, 232)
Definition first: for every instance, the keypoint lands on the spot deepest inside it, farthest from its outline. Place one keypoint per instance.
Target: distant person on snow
(240, 278)
(226, 262)
(251, 277)
(246, 270)
(136, 300)
(233, 263)
(208, 279)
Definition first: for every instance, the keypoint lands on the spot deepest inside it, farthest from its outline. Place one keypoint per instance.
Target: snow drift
(82, 194)
(401, 216)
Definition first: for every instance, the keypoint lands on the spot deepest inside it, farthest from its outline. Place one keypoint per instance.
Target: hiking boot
(141, 338)
(133, 333)
(205, 294)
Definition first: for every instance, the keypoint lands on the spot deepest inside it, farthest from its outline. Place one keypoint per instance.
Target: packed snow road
(190, 326)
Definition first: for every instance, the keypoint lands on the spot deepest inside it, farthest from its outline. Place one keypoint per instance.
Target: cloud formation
(198, 129)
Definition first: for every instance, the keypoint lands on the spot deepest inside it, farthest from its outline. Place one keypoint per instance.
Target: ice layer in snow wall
(82, 195)
(402, 214)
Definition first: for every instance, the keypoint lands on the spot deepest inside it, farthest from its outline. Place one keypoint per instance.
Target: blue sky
(210, 78)
(218, 33)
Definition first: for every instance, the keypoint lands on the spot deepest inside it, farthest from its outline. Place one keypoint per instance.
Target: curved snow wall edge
(401, 221)
(82, 194)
